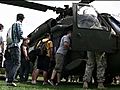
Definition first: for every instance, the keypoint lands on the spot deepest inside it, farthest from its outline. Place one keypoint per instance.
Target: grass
(39, 86)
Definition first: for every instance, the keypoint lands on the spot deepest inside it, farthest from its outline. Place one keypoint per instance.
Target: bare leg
(52, 77)
(53, 74)
(45, 76)
(35, 75)
(58, 77)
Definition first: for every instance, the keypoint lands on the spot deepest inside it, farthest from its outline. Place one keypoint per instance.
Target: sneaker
(101, 86)
(14, 84)
(117, 82)
(113, 83)
(6, 79)
(11, 84)
(45, 83)
(33, 82)
(85, 85)
(57, 84)
(51, 82)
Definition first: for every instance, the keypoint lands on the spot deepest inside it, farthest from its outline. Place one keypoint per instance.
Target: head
(20, 17)
(48, 35)
(1, 27)
(69, 30)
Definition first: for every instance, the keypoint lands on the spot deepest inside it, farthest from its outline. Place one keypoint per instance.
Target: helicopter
(101, 32)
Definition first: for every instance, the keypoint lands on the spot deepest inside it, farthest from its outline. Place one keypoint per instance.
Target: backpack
(9, 36)
(43, 47)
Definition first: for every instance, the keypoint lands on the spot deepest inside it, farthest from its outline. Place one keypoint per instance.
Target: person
(1, 44)
(43, 60)
(97, 57)
(25, 61)
(13, 48)
(59, 57)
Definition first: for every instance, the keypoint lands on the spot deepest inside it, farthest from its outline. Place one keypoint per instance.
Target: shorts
(43, 63)
(59, 58)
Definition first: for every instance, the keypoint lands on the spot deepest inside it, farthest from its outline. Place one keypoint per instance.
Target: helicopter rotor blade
(86, 1)
(26, 4)
(36, 6)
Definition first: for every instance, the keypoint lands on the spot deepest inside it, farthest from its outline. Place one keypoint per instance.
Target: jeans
(1, 59)
(13, 64)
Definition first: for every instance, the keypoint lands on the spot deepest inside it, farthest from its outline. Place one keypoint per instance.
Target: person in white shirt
(1, 44)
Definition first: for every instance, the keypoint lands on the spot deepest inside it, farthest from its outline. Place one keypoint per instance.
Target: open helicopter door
(88, 34)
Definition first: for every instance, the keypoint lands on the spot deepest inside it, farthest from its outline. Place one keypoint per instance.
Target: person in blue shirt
(14, 50)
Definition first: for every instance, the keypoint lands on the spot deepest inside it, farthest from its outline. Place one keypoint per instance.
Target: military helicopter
(100, 32)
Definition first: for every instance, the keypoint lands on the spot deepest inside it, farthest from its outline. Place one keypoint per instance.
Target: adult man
(1, 45)
(14, 49)
(59, 58)
(100, 60)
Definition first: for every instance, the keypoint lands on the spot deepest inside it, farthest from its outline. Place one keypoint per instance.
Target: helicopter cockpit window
(115, 23)
(87, 18)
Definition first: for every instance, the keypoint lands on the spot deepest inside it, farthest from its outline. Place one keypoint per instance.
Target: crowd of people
(17, 61)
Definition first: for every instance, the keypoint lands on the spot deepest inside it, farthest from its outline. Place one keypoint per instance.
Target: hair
(20, 16)
(47, 34)
(1, 26)
(69, 29)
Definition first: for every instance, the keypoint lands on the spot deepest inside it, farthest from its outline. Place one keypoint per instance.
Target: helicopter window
(115, 23)
(87, 18)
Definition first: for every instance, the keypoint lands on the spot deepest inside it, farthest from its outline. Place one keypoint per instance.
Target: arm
(24, 48)
(19, 30)
(66, 42)
(51, 50)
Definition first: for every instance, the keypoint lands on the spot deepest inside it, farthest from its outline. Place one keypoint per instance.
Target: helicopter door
(88, 33)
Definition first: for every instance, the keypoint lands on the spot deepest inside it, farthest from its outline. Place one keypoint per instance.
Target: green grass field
(39, 86)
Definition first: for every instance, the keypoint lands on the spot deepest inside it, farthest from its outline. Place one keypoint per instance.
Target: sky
(34, 18)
